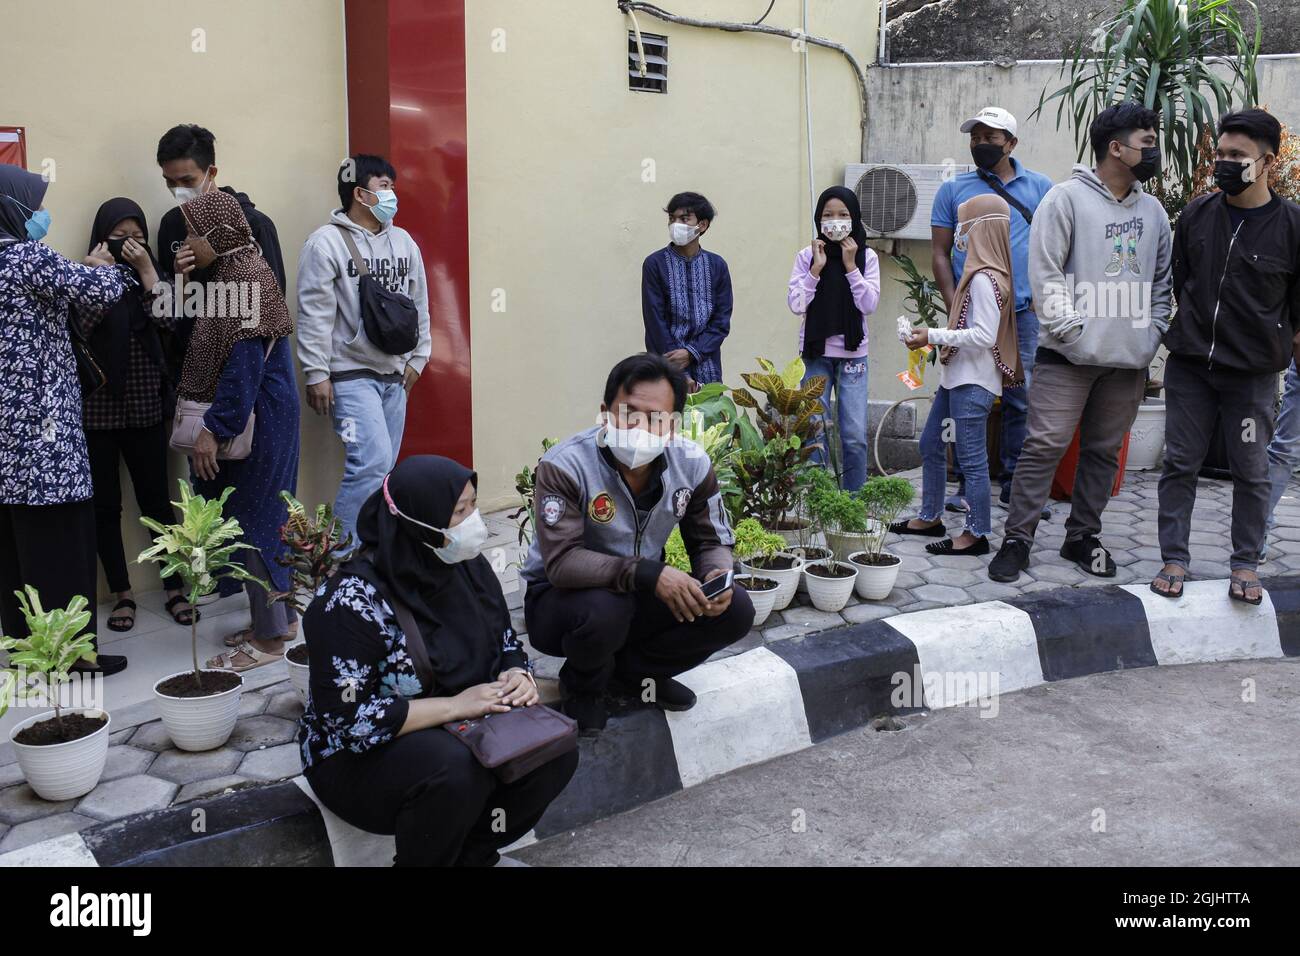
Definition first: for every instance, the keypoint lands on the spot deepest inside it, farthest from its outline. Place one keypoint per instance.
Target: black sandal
(125, 603)
(1170, 578)
(1241, 584)
(981, 546)
(936, 531)
(191, 613)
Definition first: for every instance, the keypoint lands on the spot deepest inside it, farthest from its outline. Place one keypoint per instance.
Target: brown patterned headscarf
(242, 299)
(988, 250)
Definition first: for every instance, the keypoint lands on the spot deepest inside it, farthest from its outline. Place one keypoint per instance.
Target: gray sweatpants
(1101, 403)
(1195, 397)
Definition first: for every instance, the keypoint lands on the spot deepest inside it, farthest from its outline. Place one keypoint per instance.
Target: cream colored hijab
(984, 225)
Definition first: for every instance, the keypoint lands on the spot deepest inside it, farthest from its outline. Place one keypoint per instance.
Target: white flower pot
(1146, 442)
(875, 581)
(830, 594)
(787, 579)
(200, 723)
(808, 558)
(298, 673)
(793, 536)
(763, 601)
(63, 771)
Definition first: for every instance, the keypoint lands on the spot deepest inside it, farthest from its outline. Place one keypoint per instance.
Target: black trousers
(442, 805)
(145, 452)
(52, 548)
(602, 633)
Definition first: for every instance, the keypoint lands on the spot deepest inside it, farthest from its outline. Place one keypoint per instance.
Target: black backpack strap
(360, 263)
(415, 646)
(996, 185)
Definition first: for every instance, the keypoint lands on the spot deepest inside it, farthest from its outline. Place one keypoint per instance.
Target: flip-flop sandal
(225, 662)
(1170, 578)
(1242, 583)
(238, 638)
(185, 617)
(124, 604)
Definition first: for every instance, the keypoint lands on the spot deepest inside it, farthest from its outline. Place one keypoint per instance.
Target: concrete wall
(97, 83)
(569, 172)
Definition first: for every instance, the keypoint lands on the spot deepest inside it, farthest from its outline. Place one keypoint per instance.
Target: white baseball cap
(994, 116)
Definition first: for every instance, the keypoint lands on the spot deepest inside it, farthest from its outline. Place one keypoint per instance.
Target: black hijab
(832, 310)
(28, 189)
(459, 608)
(129, 316)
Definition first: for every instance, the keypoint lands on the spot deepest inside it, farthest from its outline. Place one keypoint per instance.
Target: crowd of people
(1058, 297)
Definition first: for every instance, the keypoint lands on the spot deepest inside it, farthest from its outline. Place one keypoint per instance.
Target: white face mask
(962, 239)
(464, 542)
(682, 234)
(184, 194)
(836, 229)
(634, 447)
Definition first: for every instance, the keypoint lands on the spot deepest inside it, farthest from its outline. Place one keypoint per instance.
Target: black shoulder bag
(390, 319)
(89, 371)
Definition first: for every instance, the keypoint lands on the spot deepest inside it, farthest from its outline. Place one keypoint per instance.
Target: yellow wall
(97, 83)
(560, 217)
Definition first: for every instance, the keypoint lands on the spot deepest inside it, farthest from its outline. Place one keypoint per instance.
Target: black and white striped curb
(755, 706)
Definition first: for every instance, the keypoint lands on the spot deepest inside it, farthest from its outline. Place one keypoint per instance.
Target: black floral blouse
(361, 674)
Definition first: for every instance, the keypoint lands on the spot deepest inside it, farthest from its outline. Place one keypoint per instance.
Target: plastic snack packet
(904, 328)
(914, 376)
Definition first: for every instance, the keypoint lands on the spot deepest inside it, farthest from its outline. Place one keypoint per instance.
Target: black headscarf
(28, 189)
(832, 310)
(111, 340)
(459, 608)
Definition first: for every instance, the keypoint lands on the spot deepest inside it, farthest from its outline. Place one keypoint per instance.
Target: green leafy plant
(772, 481)
(56, 640)
(717, 407)
(884, 497)
(198, 549)
(525, 486)
(675, 554)
(923, 298)
(753, 541)
(317, 545)
(1163, 54)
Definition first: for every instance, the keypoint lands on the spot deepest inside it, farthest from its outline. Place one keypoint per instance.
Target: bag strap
(419, 654)
(996, 185)
(360, 263)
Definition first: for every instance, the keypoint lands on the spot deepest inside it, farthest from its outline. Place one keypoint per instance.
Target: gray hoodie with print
(330, 335)
(1100, 272)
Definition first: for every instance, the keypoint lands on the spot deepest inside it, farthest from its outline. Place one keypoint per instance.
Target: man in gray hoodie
(360, 386)
(1099, 264)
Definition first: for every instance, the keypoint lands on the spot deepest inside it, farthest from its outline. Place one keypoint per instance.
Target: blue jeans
(960, 414)
(369, 416)
(848, 377)
(1015, 401)
(1284, 449)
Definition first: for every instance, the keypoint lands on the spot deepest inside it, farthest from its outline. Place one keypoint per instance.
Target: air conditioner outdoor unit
(896, 199)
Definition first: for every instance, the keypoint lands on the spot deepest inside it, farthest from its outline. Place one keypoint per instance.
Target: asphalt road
(1156, 766)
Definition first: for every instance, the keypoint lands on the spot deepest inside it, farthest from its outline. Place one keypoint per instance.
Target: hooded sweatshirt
(1100, 272)
(331, 338)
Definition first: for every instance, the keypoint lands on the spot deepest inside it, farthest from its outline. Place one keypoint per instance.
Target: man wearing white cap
(992, 140)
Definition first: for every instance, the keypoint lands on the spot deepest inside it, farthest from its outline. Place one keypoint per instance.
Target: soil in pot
(756, 584)
(773, 563)
(835, 571)
(184, 686)
(881, 561)
(46, 732)
(297, 654)
(814, 554)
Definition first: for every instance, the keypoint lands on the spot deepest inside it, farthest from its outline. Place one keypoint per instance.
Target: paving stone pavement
(145, 772)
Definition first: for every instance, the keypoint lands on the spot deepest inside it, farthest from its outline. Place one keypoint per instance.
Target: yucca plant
(317, 545)
(1167, 55)
(198, 549)
(56, 640)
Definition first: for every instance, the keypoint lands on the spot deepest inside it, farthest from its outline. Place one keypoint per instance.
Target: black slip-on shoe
(1011, 559)
(1090, 556)
(981, 546)
(106, 664)
(936, 531)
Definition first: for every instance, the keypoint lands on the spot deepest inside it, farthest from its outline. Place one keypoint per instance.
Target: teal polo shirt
(1027, 186)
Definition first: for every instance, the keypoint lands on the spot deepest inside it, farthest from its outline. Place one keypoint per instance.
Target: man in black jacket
(188, 159)
(1236, 265)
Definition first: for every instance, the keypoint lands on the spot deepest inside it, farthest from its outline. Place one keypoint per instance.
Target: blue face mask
(386, 208)
(38, 223)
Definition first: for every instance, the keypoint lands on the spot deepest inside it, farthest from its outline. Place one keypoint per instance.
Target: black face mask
(115, 248)
(1230, 176)
(986, 155)
(1148, 166)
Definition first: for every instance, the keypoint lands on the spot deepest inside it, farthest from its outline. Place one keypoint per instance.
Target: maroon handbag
(510, 744)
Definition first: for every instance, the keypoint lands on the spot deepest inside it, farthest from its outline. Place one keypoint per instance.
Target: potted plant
(830, 581)
(525, 486)
(676, 555)
(753, 543)
(884, 498)
(199, 707)
(773, 476)
(317, 545)
(61, 756)
(843, 515)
